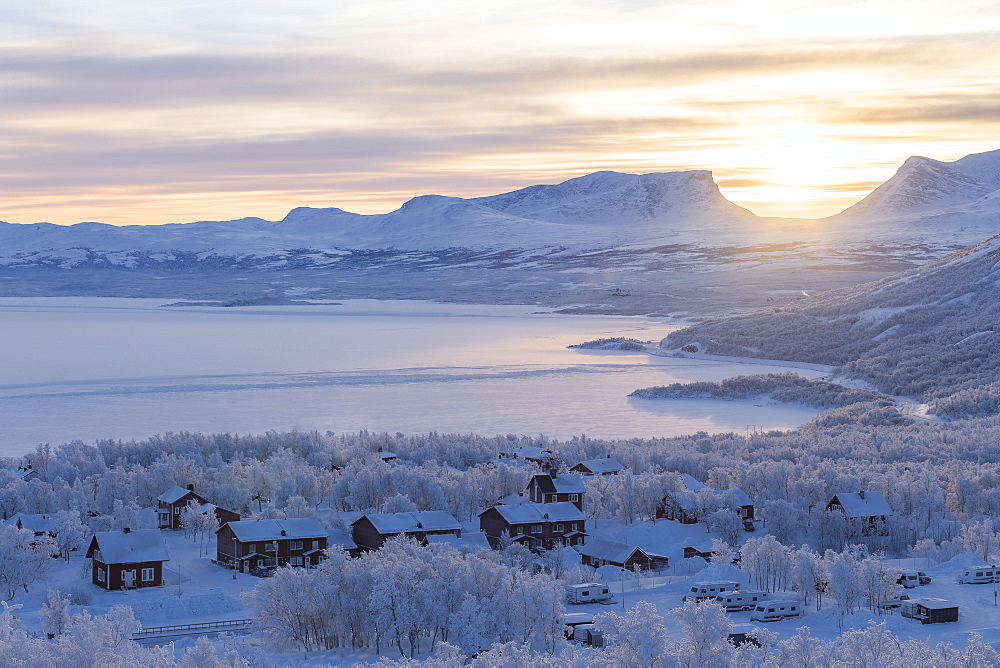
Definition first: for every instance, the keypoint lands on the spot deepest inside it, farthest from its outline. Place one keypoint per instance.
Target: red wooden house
(595, 467)
(556, 488)
(371, 531)
(535, 525)
(173, 502)
(266, 544)
(868, 509)
(127, 559)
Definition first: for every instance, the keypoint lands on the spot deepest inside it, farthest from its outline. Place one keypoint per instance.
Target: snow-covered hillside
(930, 332)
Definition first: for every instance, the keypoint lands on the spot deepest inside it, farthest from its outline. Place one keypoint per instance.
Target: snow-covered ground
(90, 368)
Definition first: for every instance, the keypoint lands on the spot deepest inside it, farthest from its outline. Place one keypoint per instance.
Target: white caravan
(591, 592)
(738, 600)
(980, 575)
(704, 591)
(772, 611)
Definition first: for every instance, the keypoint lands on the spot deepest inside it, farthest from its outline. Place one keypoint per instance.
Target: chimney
(420, 525)
(862, 494)
(127, 530)
(552, 473)
(284, 533)
(190, 487)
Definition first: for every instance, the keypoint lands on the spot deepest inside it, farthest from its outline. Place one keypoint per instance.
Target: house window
(536, 528)
(177, 510)
(557, 527)
(260, 563)
(574, 497)
(315, 544)
(100, 575)
(271, 547)
(295, 545)
(147, 575)
(295, 561)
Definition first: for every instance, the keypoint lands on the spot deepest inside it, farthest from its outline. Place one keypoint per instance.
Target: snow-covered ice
(90, 368)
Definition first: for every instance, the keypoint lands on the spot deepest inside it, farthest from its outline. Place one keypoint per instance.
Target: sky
(143, 113)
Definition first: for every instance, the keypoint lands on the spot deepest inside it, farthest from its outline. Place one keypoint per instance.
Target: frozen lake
(91, 368)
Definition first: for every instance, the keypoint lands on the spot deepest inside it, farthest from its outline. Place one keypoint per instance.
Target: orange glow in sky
(143, 113)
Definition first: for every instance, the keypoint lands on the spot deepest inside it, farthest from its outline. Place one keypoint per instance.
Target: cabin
(534, 525)
(556, 488)
(372, 530)
(596, 467)
(127, 559)
(171, 505)
(25, 473)
(39, 525)
(597, 552)
(930, 610)
(689, 507)
(531, 454)
(869, 509)
(255, 545)
(690, 552)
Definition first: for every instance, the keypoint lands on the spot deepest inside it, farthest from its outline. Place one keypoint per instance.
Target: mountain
(605, 209)
(932, 332)
(932, 199)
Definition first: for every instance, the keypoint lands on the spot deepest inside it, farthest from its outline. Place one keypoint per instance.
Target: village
(187, 565)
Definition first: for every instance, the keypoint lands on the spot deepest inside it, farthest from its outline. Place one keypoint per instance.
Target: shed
(595, 467)
(930, 610)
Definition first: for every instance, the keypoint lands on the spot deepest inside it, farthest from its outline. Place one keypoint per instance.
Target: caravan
(592, 592)
(707, 591)
(772, 611)
(980, 575)
(736, 601)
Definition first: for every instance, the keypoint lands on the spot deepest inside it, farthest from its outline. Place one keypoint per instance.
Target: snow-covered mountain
(927, 195)
(605, 209)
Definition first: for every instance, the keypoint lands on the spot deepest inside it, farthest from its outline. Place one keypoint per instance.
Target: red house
(127, 559)
(173, 502)
(371, 531)
(266, 544)
(556, 488)
(867, 508)
(535, 525)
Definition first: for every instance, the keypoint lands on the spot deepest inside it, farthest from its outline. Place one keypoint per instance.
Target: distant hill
(932, 333)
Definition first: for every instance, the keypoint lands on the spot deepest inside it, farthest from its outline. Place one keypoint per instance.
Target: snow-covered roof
(532, 513)
(863, 504)
(33, 523)
(174, 494)
(386, 455)
(691, 483)
(933, 603)
(561, 483)
(599, 466)
(427, 520)
(21, 472)
(608, 550)
(118, 547)
(248, 531)
(343, 538)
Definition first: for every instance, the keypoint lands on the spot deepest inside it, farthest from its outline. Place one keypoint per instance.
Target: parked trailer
(909, 579)
(980, 575)
(773, 611)
(705, 591)
(736, 601)
(587, 593)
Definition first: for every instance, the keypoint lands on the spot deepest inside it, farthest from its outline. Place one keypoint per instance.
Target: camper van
(705, 591)
(980, 575)
(909, 579)
(588, 593)
(772, 611)
(736, 601)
